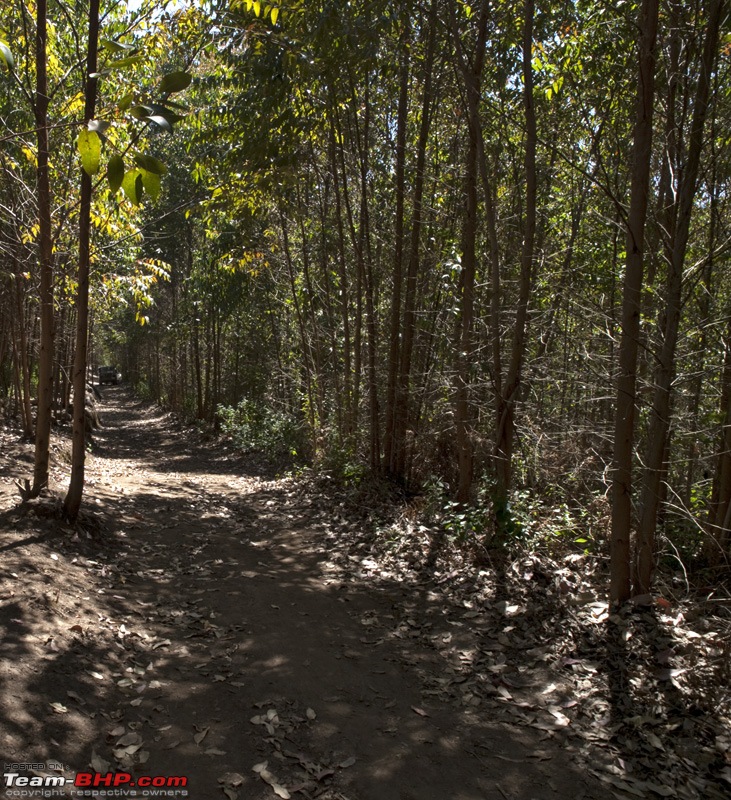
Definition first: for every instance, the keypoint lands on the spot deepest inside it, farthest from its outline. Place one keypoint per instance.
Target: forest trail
(205, 630)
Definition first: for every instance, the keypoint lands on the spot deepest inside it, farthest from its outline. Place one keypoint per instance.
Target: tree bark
(398, 258)
(401, 411)
(72, 503)
(624, 420)
(23, 362)
(654, 465)
(720, 509)
(45, 246)
(506, 400)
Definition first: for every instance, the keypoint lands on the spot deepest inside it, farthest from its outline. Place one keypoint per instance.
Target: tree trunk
(398, 258)
(304, 342)
(45, 246)
(401, 410)
(654, 466)
(720, 510)
(72, 503)
(344, 292)
(624, 420)
(505, 417)
(23, 362)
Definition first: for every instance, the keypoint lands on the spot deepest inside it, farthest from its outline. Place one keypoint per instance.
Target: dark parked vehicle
(109, 375)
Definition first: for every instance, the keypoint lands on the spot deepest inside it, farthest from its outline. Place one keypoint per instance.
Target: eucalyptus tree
(677, 216)
(143, 176)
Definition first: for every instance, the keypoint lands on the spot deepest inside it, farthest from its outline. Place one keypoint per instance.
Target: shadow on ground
(201, 632)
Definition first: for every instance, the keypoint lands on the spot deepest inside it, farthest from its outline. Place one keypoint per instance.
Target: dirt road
(198, 625)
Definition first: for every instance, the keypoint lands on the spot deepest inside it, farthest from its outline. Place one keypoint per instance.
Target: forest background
(480, 250)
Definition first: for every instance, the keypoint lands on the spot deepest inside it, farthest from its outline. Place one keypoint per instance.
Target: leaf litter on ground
(533, 637)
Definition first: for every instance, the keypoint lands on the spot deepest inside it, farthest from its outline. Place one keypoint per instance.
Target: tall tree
(511, 384)
(471, 67)
(89, 138)
(677, 244)
(624, 420)
(45, 246)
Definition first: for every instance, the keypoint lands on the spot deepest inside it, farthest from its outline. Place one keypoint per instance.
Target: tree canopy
(478, 249)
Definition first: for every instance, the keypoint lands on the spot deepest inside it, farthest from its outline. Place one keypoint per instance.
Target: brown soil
(202, 620)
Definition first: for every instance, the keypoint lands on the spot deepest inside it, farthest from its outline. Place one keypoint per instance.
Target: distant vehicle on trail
(109, 375)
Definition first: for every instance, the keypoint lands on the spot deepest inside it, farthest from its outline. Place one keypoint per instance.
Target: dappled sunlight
(208, 626)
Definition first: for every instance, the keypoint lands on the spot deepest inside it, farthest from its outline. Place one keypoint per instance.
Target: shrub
(256, 427)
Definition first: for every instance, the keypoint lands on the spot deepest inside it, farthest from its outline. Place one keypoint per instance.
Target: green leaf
(6, 56)
(151, 164)
(125, 62)
(158, 114)
(140, 112)
(132, 186)
(175, 82)
(158, 119)
(126, 101)
(115, 172)
(89, 146)
(151, 182)
(115, 47)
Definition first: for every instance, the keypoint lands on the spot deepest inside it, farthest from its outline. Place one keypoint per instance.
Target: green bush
(254, 426)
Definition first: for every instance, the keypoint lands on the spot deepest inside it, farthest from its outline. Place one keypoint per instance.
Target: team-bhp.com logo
(88, 784)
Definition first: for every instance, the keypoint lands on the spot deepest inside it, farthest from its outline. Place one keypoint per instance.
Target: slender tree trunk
(654, 465)
(720, 509)
(208, 365)
(364, 291)
(23, 362)
(72, 503)
(398, 259)
(45, 245)
(505, 417)
(371, 322)
(198, 370)
(328, 301)
(464, 339)
(401, 410)
(494, 274)
(624, 421)
(314, 340)
(344, 290)
(471, 70)
(304, 341)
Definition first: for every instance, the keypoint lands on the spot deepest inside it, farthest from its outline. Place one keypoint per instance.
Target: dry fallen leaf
(232, 779)
(131, 738)
(561, 719)
(201, 735)
(268, 777)
(98, 764)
